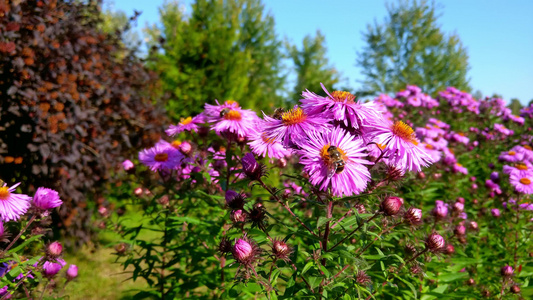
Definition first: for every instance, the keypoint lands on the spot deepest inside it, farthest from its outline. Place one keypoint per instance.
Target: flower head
(335, 160)
(230, 118)
(12, 205)
(435, 242)
(55, 249)
(45, 199)
(161, 157)
(522, 184)
(128, 165)
(402, 146)
(262, 145)
(186, 124)
(344, 107)
(293, 126)
(50, 269)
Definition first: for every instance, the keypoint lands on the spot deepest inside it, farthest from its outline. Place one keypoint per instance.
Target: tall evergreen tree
(223, 50)
(409, 48)
(312, 66)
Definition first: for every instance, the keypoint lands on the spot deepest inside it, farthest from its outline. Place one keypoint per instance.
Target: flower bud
(282, 163)
(473, 178)
(450, 249)
(471, 281)
(243, 251)
(45, 199)
(55, 249)
(437, 176)
(280, 249)
(458, 206)
(102, 211)
(515, 289)
(474, 186)
(421, 175)
(362, 278)
(391, 206)
(507, 271)
(50, 269)
(237, 216)
(460, 230)
(495, 177)
(435, 242)
(138, 191)
(495, 212)
(121, 248)
(235, 200)
(252, 169)
(258, 215)
(441, 210)
(413, 215)
(128, 165)
(72, 272)
(185, 147)
(225, 246)
(473, 225)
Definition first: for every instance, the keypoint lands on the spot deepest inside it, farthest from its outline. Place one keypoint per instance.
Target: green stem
(351, 233)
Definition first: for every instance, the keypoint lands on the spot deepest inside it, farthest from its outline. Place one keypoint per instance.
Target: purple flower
(402, 146)
(233, 120)
(335, 160)
(343, 106)
(458, 168)
(391, 205)
(495, 212)
(251, 168)
(187, 124)
(245, 251)
(55, 249)
(50, 269)
(511, 156)
(294, 126)
(263, 146)
(46, 199)
(522, 184)
(72, 272)
(441, 209)
(12, 206)
(161, 157)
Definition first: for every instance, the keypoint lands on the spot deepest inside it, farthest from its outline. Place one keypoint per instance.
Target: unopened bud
(280, 249)
(121, 248)
(471, 281)
(515, 289)
(238, 216)
(458, 206)
(413, 215)
(391, 206)
(55, 249)
(495, 212)
(225, 246)
(473, 225)
(242, 251)
(435, 242)
(450, 249)
(251, 167)
(185, 147)
(138, 191)
(507, 271)
(72, 272)
(460, 230)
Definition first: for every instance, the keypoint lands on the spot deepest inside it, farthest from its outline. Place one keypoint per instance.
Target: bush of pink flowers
(399, 197)
(30, 267)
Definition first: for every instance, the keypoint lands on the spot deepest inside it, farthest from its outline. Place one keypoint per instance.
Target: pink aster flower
(161, 157)
(343, 106)
(186, 124)
(45, 199)
(502, 129)
(524, 149)
(335, 160)
(460, 137)
(522, 184)
(233, 120)
(511, 156)
(50, 269)
(518, 168)
(263, 146)
(215, 110)
(402, 146)
(458, 168)
(12, 206)
(294, 126)
(433, 153)
(414, 101)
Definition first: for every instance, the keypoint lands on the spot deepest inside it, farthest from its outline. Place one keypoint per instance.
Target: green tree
(223, 50)
(312, 66)
(409, 48)
(515, 106)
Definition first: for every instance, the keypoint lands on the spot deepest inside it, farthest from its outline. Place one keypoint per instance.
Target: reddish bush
(73, 101)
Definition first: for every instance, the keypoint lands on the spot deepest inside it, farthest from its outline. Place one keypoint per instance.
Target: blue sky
(498, 34)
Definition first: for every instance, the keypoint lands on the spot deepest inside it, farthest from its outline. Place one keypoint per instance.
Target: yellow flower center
(430, 147)
(380, 146)
(186, 121)
(525, 181)
(293, 116)
(161, 157)
(522, 167)
(404, 131)
(267, 139)
(527, 147)
(461, 134)
(230, 102)
(341, 96)
(512, 153)
(233, 115)
(458, 164)
(4, 193)
(176, 144)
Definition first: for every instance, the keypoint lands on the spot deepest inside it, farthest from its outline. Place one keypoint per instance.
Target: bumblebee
(224, 111)
(277, 113)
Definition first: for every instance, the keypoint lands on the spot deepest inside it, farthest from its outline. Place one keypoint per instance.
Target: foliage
(224, 49)
(409, 48)
(311, 65)
(71, 107)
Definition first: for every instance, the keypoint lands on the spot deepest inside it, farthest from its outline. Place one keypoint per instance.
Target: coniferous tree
(312, 66)
(410, 48)
(224, 50)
